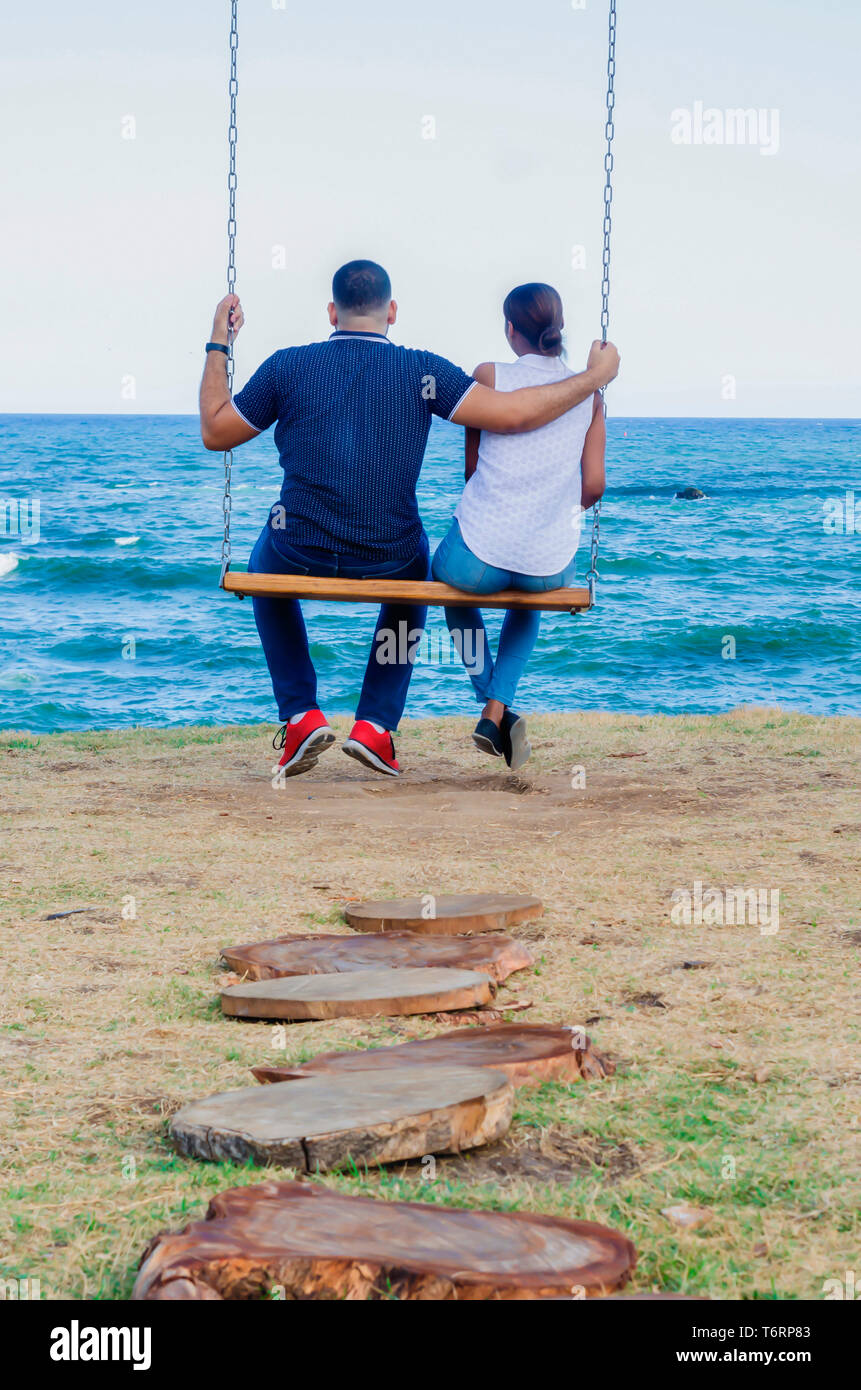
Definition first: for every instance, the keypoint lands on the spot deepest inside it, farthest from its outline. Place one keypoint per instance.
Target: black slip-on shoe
(487, 737)
(516, 745)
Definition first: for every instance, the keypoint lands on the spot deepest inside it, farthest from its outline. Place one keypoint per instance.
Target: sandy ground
(739, 1071)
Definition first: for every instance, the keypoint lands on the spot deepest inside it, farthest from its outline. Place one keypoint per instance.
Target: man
(352, 417)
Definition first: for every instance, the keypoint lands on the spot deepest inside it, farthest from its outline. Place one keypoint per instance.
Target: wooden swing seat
(400, 591)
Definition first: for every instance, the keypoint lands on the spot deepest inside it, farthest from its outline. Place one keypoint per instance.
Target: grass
(737, 1087)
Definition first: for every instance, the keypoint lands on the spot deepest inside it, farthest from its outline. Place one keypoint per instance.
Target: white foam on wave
(8, 563)
(126, 540)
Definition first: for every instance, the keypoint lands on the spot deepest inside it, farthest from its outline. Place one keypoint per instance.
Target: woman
(517, 525)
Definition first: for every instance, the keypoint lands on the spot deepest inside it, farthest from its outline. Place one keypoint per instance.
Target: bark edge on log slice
(455, 914)
(359, 994)
(528, 1053)
(312, 1243)
(329, 1120)
(491, 954)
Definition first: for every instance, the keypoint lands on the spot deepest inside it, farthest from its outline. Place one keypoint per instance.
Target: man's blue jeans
(455, 564)
(285, 640)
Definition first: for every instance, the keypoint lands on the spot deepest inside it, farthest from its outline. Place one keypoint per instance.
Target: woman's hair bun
(550, 339)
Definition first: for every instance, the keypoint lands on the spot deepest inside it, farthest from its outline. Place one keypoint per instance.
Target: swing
(377, 591)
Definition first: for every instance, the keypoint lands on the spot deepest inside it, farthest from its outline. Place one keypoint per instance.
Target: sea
(111, 615)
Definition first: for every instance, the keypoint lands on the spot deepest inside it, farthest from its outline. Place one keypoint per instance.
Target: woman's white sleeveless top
(520, 510)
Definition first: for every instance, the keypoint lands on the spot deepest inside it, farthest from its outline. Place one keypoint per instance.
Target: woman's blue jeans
(285, 640)
(455, 564)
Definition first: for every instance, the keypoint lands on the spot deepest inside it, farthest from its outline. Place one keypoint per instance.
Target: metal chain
(609, 131)
(233, 89)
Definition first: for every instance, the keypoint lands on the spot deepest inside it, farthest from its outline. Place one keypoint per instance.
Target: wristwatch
(218, 347)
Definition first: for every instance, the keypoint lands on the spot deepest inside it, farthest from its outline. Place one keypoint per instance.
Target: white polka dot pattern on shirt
(520, 510)
(352, 417)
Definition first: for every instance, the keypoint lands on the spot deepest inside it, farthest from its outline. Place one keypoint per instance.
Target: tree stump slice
(497, 956)
(324, 1122)
(306, 1242)
(527, 1053)
(460, 914)
(359, 994)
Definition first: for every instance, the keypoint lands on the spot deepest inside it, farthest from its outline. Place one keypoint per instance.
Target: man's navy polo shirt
(353, 416)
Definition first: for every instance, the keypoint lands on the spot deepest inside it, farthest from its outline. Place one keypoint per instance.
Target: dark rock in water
(690, 494)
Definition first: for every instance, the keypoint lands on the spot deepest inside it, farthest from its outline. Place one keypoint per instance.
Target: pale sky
(728, 263)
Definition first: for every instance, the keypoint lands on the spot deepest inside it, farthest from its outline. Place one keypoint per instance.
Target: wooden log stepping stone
(359, 994)
(528, 1053)
(307, 1242)
(497, 956)
(459, 914)
(329, 1121)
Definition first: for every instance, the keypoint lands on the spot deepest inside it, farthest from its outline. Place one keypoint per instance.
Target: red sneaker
(375, 750)
(302, 743)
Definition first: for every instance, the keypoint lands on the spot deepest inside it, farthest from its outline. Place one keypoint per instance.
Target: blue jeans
(285, 640)
(455, 564)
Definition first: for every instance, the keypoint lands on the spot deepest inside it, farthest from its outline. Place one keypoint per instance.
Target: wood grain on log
(330, 1120)
(359, 994)
(453, 914)
(302, 1241)
(497, 956)
(528, 1053)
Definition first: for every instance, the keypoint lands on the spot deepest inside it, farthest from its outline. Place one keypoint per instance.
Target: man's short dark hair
(361, 287)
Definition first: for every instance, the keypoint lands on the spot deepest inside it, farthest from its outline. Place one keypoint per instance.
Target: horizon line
(192, 415)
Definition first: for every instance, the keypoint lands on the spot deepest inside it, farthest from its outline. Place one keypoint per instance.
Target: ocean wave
(795, 644)
(134, 573)
(17, 678)
(8, 563)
